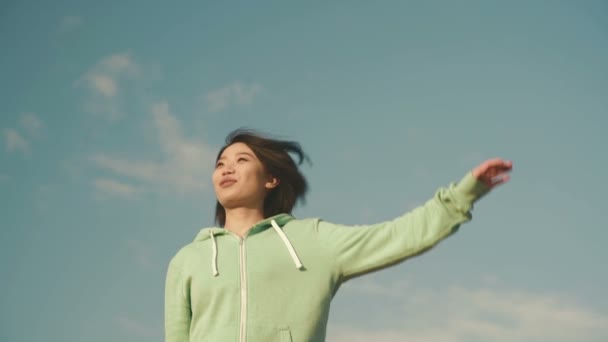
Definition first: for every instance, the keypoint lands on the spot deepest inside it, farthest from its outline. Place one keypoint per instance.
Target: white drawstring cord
(214, 259)
(292, 251)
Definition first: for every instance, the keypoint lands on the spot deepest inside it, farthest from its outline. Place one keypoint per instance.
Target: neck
(240, 220)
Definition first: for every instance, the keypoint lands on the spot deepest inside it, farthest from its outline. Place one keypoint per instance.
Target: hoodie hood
(276, 222)
(280, 219)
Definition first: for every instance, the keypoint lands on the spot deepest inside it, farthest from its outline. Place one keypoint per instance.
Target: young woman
(263, 275)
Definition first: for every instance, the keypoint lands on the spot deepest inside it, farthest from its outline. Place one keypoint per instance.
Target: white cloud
(119, 62)
(141, 170)
(31, 123)
(115, 188)
(15, 142)
(136, 328)
(185, 166)
(457, 314)
(236, 94)
(70, 23)
(104, 84)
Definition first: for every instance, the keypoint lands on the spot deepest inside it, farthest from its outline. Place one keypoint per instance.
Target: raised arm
(362, 249)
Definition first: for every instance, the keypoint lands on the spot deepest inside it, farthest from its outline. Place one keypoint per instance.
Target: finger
(499, 163)
(492, 167)
(500, 168)
(493, 172)
(499, 179)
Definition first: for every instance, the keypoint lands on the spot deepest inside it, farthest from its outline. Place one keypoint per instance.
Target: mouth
(227, 182)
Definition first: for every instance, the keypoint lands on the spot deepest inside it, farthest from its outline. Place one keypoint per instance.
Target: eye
(242, 159)
(219, 165)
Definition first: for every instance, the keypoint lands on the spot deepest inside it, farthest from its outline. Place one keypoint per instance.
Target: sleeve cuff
(469, 189)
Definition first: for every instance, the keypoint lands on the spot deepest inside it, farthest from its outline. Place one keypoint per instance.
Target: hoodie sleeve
(177, 305)
(362, 249)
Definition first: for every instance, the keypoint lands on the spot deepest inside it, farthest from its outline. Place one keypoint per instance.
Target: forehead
(236, 148)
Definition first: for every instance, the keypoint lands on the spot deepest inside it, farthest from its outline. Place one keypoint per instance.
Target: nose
(228, 169)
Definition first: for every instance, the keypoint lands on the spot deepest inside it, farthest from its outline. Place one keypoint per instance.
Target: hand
(493, 172)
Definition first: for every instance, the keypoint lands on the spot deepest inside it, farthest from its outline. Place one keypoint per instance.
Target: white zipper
(243, 270)
(243, 327)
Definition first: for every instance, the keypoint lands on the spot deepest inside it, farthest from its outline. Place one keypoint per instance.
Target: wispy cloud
(15, 142)
(32, 124)
(457, 314)
(70, 23)
(235, 94)
(104, 84)
(114, 188)
(136, 328)
(185, 166)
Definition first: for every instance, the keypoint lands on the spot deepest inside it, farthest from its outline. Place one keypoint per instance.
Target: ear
(272, 183)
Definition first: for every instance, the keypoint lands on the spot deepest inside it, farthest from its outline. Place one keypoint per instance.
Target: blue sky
(112, 113)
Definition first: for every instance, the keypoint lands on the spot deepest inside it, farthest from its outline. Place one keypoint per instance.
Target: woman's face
(239, 178)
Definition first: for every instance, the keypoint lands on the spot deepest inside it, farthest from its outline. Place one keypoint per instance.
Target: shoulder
(314, 225)
(303, 223)
(184, 254)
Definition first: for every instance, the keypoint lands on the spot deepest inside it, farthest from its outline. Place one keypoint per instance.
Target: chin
(229, 202)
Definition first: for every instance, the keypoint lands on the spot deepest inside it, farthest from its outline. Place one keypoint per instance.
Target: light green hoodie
(276, 283)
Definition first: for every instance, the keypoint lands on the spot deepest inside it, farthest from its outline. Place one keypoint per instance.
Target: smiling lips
(227, 182)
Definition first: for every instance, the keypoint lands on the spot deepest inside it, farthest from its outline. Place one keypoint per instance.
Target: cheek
(215, 176)
(251, 178)
(257, 176)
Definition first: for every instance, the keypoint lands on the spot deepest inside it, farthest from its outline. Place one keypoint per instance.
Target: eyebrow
(245, 153)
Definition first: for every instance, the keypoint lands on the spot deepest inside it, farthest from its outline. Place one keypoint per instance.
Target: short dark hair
(274, 156)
